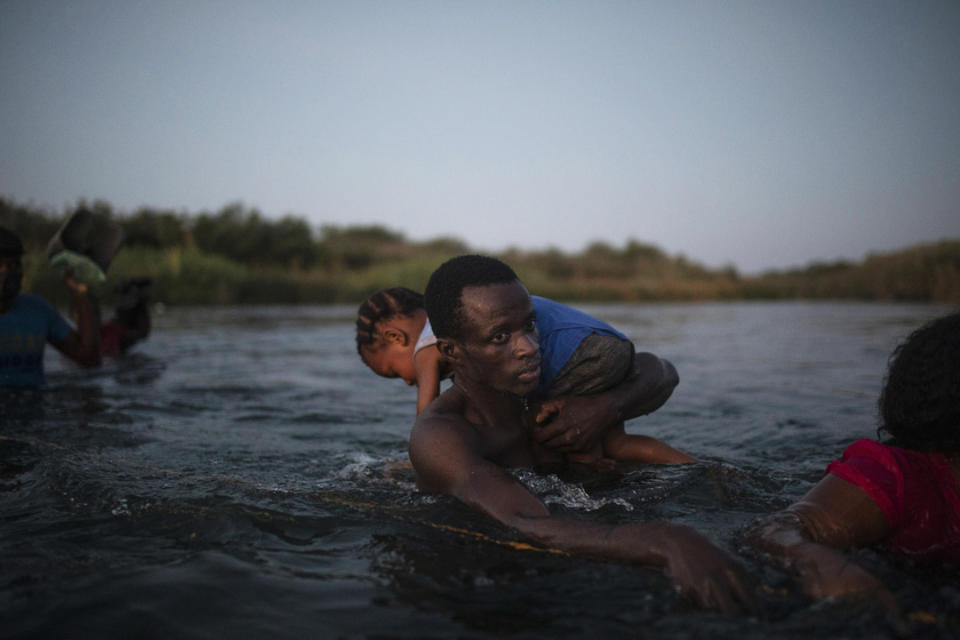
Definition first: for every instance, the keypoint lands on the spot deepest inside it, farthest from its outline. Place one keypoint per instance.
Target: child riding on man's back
(580, 355)
(392, 339)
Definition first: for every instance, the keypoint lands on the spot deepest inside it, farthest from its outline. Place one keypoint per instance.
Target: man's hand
(705, 573)
(570, 424)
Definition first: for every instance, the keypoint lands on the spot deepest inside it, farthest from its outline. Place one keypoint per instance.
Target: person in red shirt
(902, 494)
(131, 321)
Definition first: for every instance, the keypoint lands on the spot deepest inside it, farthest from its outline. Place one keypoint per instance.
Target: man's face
(11, 277)
(500, 346)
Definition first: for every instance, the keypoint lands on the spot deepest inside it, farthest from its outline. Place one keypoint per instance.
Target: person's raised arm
(83, 344)
(576, 423)
(442, 455)
(809, 536)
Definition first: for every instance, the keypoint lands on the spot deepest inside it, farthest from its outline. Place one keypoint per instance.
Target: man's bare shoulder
(442, 444)
(443, 418)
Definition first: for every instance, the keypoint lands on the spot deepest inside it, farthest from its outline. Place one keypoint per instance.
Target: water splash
(552, 490)
(361, 469)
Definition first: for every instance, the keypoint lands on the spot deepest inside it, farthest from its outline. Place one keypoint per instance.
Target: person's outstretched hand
(706, 574)
(828, 573)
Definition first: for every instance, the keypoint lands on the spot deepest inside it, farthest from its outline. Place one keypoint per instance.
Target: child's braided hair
(382, 305)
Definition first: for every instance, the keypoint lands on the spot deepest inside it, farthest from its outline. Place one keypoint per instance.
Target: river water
(232, 477)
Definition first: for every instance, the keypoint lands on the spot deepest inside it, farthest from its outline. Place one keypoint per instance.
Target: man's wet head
(485, 324)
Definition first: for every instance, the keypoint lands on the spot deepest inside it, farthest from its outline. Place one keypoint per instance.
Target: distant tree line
(238, 255)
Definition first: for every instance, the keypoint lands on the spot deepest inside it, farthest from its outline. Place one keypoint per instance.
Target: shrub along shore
(238, 256)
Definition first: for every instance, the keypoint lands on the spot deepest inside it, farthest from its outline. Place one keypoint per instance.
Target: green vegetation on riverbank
(237, 256)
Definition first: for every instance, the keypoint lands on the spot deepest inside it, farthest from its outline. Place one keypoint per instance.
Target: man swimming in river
(463, 443)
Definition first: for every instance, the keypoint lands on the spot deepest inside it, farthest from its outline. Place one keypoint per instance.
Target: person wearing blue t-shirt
(28, 323)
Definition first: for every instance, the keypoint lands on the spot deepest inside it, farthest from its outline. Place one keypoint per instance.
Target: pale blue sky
(762, 134)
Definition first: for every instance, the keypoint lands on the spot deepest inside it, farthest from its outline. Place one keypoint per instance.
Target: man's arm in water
(443, 449)
(810, 535)
(577, 423)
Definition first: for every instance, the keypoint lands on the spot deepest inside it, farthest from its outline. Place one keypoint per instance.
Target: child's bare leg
(619, 445)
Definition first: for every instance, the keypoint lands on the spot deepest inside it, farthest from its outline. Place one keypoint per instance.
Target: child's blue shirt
(562, 329)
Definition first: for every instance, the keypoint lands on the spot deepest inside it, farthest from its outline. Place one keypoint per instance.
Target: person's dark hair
(384, 304)
(445, 288)
(132, 303)
(920, 401)
(10, 245)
